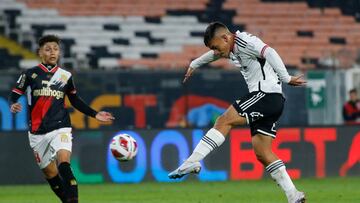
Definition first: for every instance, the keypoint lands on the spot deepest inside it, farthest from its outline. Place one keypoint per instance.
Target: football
(123, 147)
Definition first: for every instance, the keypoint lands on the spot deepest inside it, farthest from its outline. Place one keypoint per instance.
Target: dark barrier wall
(149, 99)
(307, 152)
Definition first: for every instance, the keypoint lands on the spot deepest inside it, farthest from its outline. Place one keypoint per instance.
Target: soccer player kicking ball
(49, 123)
(263, 71)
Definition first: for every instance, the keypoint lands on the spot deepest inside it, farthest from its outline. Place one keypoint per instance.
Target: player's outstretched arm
(80, 105)
(15, 107)
(206, 58)
(297, 80)
(188, 74)
(104, 116)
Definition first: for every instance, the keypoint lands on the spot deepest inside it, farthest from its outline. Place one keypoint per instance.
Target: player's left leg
(62, 144)
(44, 155)
(70, 183)
(262, 147)
(211, 140)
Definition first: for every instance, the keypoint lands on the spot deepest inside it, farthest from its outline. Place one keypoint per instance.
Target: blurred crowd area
(167, 34)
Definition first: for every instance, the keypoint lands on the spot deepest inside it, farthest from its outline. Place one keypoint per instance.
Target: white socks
(278, 172)
(208, 143)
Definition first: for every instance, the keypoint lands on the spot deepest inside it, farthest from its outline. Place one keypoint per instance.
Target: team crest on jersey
(256, 115)
(64, 137)
(34, 75)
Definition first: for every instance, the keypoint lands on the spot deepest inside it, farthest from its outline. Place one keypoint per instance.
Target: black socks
(57, 186)
(70, 183)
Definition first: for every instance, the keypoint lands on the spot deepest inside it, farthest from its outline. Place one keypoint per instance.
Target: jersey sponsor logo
(45, 82)
(47, 92)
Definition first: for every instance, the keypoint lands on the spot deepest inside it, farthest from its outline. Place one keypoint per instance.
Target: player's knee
(260, 157)
(50, 171)
(50, 174)
(263, 155)
(222, 120)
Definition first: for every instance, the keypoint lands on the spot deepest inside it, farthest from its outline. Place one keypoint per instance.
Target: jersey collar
(53, 70)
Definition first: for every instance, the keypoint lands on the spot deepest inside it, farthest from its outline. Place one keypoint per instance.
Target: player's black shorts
(261, 110)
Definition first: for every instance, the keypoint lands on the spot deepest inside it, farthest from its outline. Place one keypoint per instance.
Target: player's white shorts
(45, 146)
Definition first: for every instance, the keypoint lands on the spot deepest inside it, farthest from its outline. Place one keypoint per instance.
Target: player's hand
(15, 107)
(188, 74)
(104, 116)
(297, 80)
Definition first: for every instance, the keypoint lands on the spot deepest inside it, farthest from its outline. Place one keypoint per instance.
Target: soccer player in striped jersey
(46, 86)
(264, 73)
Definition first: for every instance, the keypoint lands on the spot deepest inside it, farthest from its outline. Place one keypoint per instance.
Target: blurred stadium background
(129, 57)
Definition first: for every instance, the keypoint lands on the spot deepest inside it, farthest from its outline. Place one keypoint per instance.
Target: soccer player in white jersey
(264, 73)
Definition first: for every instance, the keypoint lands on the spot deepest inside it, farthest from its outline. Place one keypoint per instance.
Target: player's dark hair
(352, 91)
(211, 30)
(48, 38)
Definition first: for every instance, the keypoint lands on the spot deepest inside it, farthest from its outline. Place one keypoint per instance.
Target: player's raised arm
(206, 58)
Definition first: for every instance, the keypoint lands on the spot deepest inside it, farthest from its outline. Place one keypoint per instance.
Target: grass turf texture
(330, 190)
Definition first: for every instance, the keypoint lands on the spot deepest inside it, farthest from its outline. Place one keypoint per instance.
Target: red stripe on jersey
(263, 50)
(43, 67)
(53, 70)
(17, 91)
(41, 107)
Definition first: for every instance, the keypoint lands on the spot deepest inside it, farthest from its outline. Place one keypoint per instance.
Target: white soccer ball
(123, 147)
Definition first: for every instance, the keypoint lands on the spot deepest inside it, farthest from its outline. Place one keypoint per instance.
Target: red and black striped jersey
(46, 88)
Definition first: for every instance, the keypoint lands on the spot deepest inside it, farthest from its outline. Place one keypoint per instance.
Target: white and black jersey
(264, 72)
(260, 72)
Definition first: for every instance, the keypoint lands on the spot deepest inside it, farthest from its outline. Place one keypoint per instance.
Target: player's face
(221, 45)
(353, 96)
(49, 53)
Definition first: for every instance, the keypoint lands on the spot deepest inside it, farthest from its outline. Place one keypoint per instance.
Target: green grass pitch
(329, 190)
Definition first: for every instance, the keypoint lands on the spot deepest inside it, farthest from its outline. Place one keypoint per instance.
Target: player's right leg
(55, 181)
(211, 140)
(275, 167)
(44, 156)
(46, 149)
